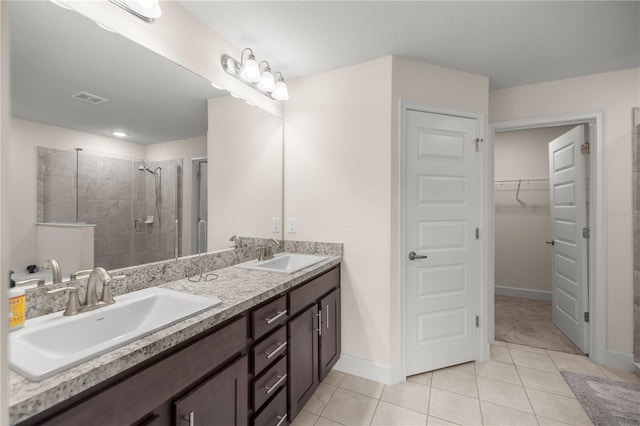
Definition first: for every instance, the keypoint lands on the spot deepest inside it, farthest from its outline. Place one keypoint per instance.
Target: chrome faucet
(237, 242)
(91, 300)
(53, 265)
(266, 252)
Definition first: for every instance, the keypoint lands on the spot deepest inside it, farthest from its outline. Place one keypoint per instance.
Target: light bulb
(267, 83)
(281, 92)
(250, 70)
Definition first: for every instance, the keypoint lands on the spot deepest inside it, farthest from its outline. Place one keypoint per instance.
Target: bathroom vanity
(256, 359)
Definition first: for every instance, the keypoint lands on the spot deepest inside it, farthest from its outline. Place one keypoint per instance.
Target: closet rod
(524, 180)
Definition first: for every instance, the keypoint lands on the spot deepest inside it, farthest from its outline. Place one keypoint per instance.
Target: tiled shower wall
(112, 192)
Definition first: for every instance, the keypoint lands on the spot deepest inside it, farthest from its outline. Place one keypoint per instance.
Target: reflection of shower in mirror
(157, 176)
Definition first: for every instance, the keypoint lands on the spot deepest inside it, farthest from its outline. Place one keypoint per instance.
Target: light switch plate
(275, 224)
(292, 227)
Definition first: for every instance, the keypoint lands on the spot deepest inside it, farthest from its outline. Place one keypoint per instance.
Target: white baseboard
(523, 292)
(620, 360)
(369, 370)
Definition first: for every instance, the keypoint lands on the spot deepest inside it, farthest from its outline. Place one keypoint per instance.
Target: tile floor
(520, 385)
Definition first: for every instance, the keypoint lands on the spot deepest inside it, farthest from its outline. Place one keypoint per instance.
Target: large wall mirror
(195, 167)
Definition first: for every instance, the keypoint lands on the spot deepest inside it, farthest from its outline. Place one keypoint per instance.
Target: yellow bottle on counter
(17, 305)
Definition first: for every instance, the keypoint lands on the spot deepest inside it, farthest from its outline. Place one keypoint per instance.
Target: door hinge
(585, 233)
(477, 233)
(478, 140)
(585, 148)
(477, 321)
(586, 317)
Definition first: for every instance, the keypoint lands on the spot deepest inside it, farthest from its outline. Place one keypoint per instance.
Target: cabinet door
(330, 334)
(303, 356)
(221, 400)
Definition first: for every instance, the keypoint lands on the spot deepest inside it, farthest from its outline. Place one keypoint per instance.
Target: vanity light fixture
(147, 10)
(257, 75)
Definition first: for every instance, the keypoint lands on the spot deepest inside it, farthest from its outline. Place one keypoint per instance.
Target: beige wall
(184, 149)
(615, 93)
(522, 258)
(244, 146)
(338, 187)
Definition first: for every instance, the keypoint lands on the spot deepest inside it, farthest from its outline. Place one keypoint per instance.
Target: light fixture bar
(147, 10)
(258, 77)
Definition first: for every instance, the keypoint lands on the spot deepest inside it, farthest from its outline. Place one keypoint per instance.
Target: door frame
(597, 225)
(482, 343)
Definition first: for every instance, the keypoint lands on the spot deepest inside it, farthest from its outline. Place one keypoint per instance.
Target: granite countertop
(238, 289)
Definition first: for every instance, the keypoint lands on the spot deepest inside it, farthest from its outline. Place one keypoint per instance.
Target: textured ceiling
(512, 42)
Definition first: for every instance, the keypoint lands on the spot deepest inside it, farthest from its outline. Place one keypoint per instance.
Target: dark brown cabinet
(260, 367)
(220, 401)
(314, 336)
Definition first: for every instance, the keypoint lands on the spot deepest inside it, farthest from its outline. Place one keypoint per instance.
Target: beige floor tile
(622, 375)
(505, 394)
(497, 415)
(434, 421)
(525, 348)
(319, 399)
(537, 360)
(350, 408)
(498, 371)
(557, 407)
(334, 378)
(576, 363)
(389, 414)
(304, 418)
(326, 422)
(364, 386)
(542, 380)
(499, 343)
(501, 353)
(454, 381)
(424, 378)
(467, 367)
(543, 421)
(455, 408)
(411, 395)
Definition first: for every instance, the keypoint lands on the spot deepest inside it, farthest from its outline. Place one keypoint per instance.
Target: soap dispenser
(17, 305)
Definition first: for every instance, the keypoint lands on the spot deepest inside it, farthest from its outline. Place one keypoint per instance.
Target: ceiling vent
(89, 98)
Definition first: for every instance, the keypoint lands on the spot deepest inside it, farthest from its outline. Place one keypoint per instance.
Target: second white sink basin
(53, 343)
(285, 263)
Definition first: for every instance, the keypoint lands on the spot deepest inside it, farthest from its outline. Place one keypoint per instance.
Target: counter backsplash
(153, 274)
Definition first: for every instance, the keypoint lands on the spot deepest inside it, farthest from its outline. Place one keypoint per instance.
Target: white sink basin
(53, 343)
(284, 263)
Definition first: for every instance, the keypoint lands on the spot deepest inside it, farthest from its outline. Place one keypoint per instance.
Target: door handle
(553, 243)
(414, 256)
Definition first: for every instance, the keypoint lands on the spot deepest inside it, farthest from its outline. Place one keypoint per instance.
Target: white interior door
(442, 212)
(568, 219)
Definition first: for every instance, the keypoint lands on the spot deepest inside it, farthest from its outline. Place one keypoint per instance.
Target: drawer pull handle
(319, 329)
(276, 350)
(276, 385)
(191, 418)
(327, 323)
(281, 419)
(279, 314)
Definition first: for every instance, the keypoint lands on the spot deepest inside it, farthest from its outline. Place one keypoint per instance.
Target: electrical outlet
(275, 224)
(292, 225)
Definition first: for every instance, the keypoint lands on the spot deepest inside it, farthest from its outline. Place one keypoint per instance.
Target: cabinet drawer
(267, 351)
(302, 297)
(267, 385)
(268, 317)
(275, 413)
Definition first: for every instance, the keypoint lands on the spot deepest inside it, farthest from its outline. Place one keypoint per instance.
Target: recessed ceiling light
(120, 134)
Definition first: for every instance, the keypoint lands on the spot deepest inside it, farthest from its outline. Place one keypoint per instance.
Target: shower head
(144, 167)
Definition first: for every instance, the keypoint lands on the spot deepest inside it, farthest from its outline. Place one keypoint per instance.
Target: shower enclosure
(136, 205)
